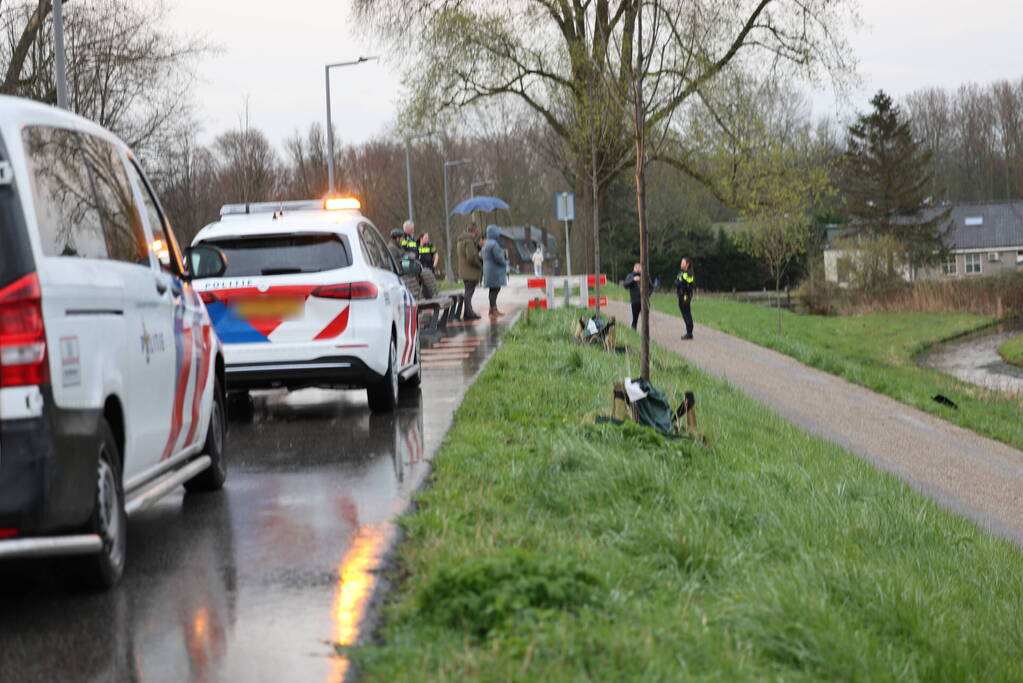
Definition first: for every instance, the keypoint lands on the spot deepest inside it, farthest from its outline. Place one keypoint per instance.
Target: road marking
(441, 363)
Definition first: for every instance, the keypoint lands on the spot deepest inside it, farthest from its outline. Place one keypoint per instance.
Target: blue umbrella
(479, 204)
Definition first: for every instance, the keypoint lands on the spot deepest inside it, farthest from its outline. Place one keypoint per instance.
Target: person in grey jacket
(495, 267)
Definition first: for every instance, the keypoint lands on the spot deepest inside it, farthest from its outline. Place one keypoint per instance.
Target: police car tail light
(349, 290)
(22, 334)
(208, 297)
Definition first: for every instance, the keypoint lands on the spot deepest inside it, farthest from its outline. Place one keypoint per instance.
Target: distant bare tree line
(241, 165)
(975, 136)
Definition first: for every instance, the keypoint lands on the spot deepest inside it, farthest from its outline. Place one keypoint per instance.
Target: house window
(1019, 256)
(949, 267)
(993, 257)
(973, 264)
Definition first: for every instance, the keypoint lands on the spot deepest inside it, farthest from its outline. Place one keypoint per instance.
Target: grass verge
(548, 549)
(874, 350)
(1012, 350)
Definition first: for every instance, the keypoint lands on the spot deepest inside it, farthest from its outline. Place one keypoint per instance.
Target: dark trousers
(493, 296)
(470, 288)
(636, 308)
(685, 307)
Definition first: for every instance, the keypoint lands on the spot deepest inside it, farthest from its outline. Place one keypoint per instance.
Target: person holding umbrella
(495, 268)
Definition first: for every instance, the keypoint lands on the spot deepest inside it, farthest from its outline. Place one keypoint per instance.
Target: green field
(548, 549)
(875, 351)
(1012, 350)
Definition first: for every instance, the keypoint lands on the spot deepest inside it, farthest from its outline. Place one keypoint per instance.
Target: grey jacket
(495, 265)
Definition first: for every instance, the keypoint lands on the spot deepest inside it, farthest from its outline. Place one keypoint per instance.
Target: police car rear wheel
(383, 395)
(108, 519)
(212, 478)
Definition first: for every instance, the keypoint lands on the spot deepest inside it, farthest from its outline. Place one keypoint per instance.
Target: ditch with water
(974, 358)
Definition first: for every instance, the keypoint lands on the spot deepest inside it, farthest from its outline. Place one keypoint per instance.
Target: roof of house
(970, 225)
(986, 225)
(524, 241)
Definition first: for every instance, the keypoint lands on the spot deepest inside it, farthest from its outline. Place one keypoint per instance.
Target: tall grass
(996, 297)
(547, 549)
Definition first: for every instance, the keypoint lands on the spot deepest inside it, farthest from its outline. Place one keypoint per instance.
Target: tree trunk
(596, 227)
(644, 256)
(777, 296)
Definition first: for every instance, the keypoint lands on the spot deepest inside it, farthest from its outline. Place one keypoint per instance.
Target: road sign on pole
(564, 209)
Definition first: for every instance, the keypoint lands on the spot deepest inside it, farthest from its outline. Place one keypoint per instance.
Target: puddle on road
(975, 359)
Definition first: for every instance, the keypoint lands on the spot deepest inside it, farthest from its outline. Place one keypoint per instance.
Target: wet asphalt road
(256, 582)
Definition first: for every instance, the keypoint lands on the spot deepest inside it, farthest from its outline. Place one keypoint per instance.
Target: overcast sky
(275, 57)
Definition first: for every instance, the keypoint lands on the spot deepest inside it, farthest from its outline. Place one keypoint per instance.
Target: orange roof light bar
(338, 203)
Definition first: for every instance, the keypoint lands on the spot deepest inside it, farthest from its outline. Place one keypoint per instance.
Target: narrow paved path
(977, 477)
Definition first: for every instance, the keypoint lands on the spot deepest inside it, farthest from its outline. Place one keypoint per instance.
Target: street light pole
(330, 126)
(447, 218)
(408, 165)
(60, 58)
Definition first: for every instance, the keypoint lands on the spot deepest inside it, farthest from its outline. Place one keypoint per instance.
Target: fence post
(550, 292)
(584, 290)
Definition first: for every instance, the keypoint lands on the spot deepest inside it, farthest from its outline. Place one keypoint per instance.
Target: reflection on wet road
(257, 582)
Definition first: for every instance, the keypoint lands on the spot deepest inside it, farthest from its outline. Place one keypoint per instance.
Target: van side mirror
(204, 260)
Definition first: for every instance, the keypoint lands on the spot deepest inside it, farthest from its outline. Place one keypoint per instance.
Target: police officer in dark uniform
(428, 255)
(408, 241)
(684, 287)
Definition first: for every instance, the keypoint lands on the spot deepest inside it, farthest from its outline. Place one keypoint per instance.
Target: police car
(310, 297)
(111, 377)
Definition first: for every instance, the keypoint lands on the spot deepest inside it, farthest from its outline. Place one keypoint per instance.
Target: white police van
(111, 377)
(310, 297)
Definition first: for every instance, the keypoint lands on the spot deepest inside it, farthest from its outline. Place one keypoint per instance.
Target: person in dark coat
(495, 267)
(633, 283)
(470, 267)
(684, 287)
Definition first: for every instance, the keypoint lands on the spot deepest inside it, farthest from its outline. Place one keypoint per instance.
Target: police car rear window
(284, 254)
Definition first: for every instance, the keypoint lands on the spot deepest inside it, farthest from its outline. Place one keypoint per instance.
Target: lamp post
(480, 183)
(330, 126)
(447, 217)
(59, 57)
(408, 165)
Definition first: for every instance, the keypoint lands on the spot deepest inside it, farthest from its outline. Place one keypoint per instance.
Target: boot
(494, 313)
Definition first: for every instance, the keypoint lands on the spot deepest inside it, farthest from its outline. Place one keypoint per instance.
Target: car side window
(122, 224)
(372, 236)
(67, 212)
(373, 256)
(163, 244)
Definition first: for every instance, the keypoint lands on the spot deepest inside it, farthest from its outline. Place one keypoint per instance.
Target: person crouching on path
(495, 268)
(470, 267)
(633, 283)
(684, 287)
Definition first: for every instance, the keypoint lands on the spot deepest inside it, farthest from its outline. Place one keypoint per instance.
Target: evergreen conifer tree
(885, 181)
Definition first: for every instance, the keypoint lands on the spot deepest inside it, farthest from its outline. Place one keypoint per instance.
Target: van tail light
(22, 335)
(349, 290)
(208, 297)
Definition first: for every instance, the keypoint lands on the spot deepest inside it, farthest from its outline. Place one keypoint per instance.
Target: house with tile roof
(983, 238)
